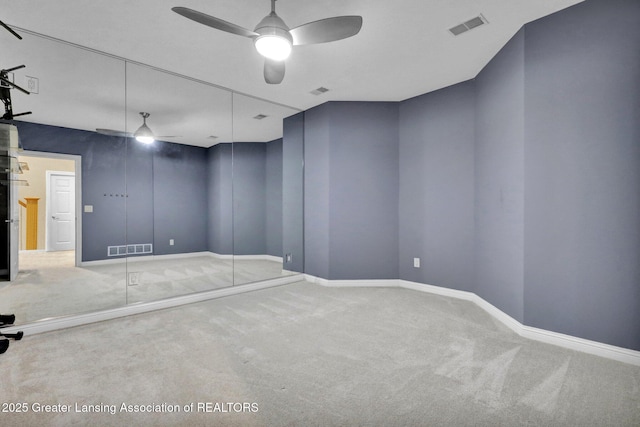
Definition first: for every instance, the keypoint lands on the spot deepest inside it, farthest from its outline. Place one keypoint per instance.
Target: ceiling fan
(274, 40)
(143, 134)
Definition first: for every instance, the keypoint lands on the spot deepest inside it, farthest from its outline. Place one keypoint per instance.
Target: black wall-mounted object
(5, 93)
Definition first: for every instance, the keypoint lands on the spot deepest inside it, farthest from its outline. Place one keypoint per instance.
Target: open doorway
(50, 216)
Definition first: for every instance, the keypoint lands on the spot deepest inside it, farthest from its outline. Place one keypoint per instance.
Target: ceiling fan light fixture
(273, 47)
(144, 134)
(274, 41)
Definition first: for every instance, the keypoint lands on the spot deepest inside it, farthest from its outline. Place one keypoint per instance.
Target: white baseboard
(220, 256)
(608, 351)
(143, 258)
(53, 324)
(258, 258)
(351, 283)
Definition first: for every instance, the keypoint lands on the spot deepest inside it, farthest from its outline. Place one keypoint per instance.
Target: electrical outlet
(416, 262)
(287, 258)
(134, 278)
(171, 242)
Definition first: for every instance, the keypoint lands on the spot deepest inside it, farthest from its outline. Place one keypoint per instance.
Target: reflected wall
(59, 129)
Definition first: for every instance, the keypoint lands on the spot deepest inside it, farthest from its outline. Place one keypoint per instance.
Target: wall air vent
(137, 249)
(468, 25)
(319, 91)
(260, 117)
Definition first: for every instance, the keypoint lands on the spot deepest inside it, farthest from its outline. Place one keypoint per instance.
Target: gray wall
(293, 192)
(219, 176)
(273, 198)
(139, 184)
(249, 198)
(582, 172)
(437, 187)
(521, 185)
(499, 180)
(316, 190)
(351, 190)
(245, 198)
(180, 207)
(160, 181)
(174, 192)
(103, 176)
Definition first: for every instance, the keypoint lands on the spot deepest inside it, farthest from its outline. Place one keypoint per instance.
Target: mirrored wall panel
(173, 205)
(72, 179)
(259, 212)
(129, 184)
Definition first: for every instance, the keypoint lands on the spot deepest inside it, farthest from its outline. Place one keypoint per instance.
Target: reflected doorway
(50, 214)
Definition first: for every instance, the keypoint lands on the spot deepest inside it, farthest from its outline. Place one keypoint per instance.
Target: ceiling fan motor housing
(273, 26)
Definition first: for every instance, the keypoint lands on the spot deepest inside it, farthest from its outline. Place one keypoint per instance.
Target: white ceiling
(403, 50)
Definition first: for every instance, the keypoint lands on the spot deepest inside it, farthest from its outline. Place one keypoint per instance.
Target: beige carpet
(305, 355)
(49, 285)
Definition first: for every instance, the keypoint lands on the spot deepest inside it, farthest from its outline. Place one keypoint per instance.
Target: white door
(61, 211)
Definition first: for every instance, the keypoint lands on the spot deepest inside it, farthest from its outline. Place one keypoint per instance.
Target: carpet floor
(49, 285)
(307, 355)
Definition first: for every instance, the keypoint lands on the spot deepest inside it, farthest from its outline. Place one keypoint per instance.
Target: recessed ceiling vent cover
(319, 91)
(468, 25)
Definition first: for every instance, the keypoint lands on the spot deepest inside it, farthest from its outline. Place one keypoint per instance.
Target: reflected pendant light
(144, 134)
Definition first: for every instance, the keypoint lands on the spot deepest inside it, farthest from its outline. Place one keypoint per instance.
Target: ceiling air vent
(260, 117)
(468, 25)
(319, 91)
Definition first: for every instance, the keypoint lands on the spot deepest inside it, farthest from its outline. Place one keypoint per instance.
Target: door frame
(78, 196)
(48, 214)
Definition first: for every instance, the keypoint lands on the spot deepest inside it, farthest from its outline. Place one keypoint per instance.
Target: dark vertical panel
(582, 228)
(499, 186)
(437, 133)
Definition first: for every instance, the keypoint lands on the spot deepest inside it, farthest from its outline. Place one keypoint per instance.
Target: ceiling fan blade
(112, 132)
(214, 22)
(326, 30)
(273, 71)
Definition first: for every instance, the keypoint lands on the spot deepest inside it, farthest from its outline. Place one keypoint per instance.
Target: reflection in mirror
(172, 201)
(107, 221)
(258, 210)
(61, 249)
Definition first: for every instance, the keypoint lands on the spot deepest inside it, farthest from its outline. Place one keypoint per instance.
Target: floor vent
(136, 249)
(468, 25)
